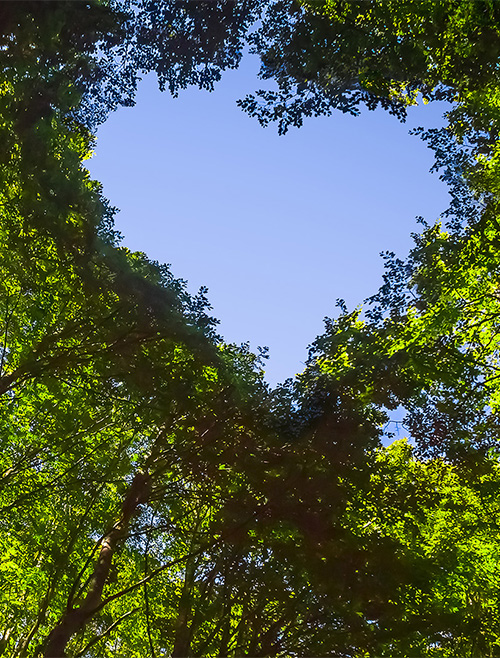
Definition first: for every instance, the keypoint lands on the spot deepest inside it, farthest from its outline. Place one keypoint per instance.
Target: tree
(156, 497)
(84, 60)
(332, 54)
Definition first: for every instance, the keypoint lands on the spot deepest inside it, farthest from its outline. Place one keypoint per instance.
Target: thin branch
(172, 563)
(152, 575)
(97, 639)
(52, 482)
(146, 597)
(8, 318)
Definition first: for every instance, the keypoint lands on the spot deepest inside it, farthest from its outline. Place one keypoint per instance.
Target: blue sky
(278, 228)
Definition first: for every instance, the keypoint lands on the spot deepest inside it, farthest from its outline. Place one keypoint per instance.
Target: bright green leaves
(156, 497)
(449, 523)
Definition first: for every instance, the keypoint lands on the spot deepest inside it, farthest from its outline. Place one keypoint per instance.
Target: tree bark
(182, 641)
(75, 618)
(226, 610)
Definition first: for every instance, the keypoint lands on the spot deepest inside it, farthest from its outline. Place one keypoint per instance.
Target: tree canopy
(157, 497)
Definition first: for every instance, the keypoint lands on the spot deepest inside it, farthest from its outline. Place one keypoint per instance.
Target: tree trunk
(226, 611)
(75, 618)
(182, 641)
(4, 640)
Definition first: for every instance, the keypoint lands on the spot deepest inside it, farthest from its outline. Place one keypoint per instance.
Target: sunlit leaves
(156, 497)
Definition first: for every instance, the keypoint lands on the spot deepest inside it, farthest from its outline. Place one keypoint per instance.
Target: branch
(172, 563)
(106, 632)
(146, 597)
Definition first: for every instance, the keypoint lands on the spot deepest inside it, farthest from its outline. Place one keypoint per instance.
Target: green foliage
(85, 59)
(338, 54)
(156, 497)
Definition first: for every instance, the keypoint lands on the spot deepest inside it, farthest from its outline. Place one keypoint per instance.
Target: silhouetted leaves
(157, 498)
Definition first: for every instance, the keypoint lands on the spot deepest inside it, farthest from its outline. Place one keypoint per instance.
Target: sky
(277, 227)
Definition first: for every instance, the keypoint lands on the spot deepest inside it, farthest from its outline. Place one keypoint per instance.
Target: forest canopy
(157, 497)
